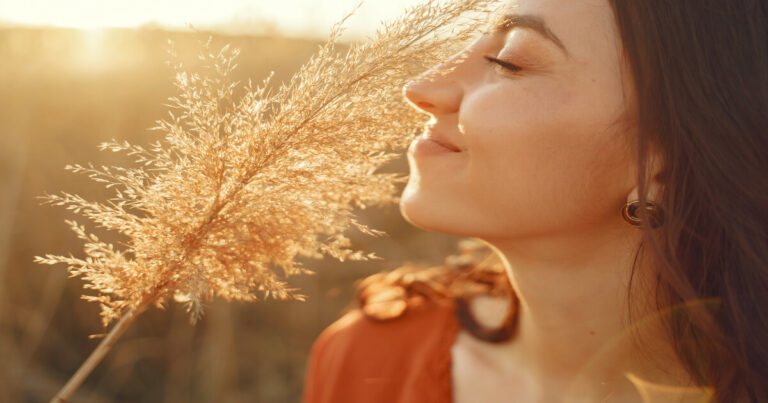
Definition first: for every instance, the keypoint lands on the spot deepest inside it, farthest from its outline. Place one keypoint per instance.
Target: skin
(543, 175)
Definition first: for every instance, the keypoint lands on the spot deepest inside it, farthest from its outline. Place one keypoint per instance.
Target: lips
(442, 140)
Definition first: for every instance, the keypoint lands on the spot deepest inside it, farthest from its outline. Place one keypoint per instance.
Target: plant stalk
(98, 354)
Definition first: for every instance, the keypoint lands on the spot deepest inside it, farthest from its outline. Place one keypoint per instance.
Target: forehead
(585, 27)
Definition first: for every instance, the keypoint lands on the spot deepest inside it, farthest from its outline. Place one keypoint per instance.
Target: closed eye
(508, 66)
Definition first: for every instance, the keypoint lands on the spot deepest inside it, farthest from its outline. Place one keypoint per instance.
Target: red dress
(396, 348)
(407, 360)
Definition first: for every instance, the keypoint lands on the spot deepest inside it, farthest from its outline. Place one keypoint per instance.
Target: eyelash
(505, 65)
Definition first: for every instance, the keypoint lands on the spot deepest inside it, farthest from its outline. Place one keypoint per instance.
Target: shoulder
(393, 308)
(400, 336)
(386, 350)
(359, 357)
(359, 333)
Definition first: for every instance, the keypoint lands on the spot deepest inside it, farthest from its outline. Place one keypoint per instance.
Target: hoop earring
(630, 214)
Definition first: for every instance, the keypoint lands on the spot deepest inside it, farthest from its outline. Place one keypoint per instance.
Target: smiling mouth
(440, 139)
(444, 144)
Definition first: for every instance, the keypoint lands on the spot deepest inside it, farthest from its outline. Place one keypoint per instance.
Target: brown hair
(700, 70)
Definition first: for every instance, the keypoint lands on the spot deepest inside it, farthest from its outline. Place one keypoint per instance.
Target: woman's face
(542, 149)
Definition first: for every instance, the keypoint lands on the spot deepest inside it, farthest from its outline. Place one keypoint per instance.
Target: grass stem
(98, 354)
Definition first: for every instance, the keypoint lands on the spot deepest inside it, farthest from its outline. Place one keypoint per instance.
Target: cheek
(528, 135)
(533, 152)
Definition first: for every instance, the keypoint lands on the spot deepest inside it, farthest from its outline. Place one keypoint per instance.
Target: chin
(431, 214)
(417, 210)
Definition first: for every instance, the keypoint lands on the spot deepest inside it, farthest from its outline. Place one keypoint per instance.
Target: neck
(574, 336)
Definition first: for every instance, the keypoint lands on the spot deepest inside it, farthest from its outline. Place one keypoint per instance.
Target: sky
(290, 17)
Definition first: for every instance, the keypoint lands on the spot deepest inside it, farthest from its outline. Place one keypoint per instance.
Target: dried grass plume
(237, 188)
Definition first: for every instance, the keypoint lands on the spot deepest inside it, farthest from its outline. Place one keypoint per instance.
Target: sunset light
(291, 17)
(345, 201)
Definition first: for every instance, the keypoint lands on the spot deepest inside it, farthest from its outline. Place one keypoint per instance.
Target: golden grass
(237, 185)
(240, 186)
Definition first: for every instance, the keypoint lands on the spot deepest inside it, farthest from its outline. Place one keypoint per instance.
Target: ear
(654, 181)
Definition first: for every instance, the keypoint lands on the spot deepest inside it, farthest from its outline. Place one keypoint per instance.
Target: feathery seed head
(239, 187)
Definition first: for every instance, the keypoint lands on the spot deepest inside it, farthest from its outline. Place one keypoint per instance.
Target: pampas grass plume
(237, 187)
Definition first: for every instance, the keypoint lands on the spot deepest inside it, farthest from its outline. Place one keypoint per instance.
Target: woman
(613, 154)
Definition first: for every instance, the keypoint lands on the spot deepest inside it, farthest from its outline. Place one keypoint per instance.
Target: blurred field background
(64, 91)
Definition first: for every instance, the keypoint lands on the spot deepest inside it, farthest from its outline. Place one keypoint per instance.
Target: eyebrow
(506, 22)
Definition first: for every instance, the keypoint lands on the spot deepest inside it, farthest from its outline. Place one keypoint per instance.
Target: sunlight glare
(293, 17)
(90, 56)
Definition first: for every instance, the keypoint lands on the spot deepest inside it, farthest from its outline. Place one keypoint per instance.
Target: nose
(437, 91)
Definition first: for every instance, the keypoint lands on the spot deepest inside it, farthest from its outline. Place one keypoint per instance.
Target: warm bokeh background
(63, 92)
